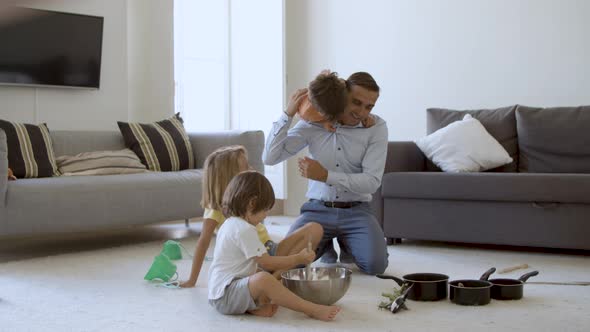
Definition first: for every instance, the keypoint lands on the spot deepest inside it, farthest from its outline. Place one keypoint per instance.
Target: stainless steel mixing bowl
(323, 285)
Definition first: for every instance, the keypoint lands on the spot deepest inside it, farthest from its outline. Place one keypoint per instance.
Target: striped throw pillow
(162, 146)
(30, 150)
(100, 163)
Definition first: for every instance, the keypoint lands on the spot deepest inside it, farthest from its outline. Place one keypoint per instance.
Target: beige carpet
(103, 290)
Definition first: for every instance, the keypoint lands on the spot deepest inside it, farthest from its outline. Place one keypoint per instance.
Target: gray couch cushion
(3, 167)
(499, 122)
(554, 140)
(66, 142)
(250, 139)
(403, 156)
(99, 201)
(518, 187)
(203, 143)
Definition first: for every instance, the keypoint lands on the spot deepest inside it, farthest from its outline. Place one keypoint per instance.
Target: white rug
(103, 290)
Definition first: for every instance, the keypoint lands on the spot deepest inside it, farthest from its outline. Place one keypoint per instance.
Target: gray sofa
(83, 203)
(542, 199)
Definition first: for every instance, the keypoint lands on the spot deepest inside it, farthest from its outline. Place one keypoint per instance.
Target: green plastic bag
(172, 249)
(162, 268)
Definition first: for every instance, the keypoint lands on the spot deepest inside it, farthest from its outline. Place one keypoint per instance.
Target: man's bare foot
(324, 312)
(267, 310)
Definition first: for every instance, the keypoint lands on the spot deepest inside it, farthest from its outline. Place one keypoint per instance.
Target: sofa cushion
(30, 150)
(463, 146)
(554, 140)
(161, 146)
(3, 167)
(100, 201)
(513, 187)
(499, 122)
(72, 142)
(122, 161)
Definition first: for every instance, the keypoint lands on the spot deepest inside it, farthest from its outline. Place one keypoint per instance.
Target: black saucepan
(510, 289)
(425, 286)
(472, 291)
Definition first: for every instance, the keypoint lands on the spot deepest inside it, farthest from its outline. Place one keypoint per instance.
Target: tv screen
(47, 48)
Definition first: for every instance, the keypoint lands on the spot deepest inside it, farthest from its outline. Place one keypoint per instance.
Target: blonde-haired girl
(220, 167)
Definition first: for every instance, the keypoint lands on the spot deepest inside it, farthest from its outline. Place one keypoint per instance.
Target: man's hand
(312, 169)
(306, 256)
(369, 121)
(296, 99)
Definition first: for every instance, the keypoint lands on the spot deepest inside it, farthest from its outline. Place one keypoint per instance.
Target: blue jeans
(356, 228)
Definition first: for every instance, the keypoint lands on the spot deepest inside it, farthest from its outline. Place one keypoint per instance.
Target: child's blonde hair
(219, 168)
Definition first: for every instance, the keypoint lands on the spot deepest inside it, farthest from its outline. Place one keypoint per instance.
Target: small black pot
(510, 289)
(470, 291)
(426, 286)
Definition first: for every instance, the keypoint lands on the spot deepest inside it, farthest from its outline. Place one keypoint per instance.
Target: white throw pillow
(464, 146)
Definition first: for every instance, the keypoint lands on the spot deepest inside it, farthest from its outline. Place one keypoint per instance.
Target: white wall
(452, 53)
(150, 59)
(139, 87)
(161, 59)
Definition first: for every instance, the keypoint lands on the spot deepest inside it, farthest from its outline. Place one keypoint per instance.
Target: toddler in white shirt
(235, 284)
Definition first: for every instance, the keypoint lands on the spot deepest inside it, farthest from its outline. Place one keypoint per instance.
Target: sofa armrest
(206, 142)
(401, 157)
(404, 156)
(3, 168)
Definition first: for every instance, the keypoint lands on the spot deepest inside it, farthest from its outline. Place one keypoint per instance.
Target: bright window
(201, 63)
(229, 67)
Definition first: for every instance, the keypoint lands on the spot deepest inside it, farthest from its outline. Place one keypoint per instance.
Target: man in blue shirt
(344, 169)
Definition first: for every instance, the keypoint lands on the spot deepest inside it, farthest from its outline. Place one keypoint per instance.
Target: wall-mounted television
(48, 48)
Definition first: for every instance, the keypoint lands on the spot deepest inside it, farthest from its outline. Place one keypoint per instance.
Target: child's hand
(277, 274)
(369, 121)
(296, 99)
(11, 175)
(329, 126)
(187, 284)
(306, 256)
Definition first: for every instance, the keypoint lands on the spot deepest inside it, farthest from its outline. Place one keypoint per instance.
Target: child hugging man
(326, 99)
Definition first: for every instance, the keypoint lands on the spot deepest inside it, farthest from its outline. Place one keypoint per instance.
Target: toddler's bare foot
(277, 274)
(324, 312)
(267, 310)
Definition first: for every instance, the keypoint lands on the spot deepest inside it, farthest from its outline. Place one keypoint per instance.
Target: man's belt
(339, 205)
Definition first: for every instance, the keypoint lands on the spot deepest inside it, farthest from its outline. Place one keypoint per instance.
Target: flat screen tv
(48, 48)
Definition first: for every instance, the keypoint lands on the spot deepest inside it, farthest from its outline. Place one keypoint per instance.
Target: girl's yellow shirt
(220, 218)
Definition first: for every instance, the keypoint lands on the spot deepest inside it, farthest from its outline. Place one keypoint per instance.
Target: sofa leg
(393, 241)
(186, 222)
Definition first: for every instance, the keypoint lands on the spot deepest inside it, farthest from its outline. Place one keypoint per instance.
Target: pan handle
(396, 279)
(487, 274)
(526, 276)
(400, 301)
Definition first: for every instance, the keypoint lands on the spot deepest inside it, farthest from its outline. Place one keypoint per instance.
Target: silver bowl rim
(347, 273)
